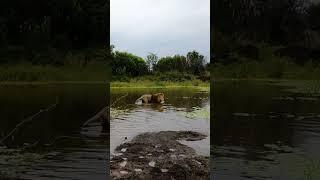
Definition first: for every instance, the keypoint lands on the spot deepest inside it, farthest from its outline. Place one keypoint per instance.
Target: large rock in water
(159, 155)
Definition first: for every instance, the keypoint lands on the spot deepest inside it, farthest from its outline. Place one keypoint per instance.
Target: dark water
(184, 109)
(73, 153)
(264, 131)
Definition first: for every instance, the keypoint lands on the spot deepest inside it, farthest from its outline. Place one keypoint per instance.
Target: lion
(151, 98)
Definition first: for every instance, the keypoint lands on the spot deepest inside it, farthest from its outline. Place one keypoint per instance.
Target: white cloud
(165, 27)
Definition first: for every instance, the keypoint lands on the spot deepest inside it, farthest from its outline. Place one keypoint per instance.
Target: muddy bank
(159, 155)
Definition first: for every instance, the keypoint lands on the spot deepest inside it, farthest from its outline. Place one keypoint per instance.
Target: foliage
(177, 68)
(152, 60)
(55, 23)
(46, 32)
(174, 63)
(128, 64)
(94, 71)
(290, 27)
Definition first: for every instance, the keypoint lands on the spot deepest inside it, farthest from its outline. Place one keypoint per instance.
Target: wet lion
(151, 98)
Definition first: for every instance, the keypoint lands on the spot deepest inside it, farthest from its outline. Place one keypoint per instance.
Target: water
(74, 153)
(264, 130)
(184, 109)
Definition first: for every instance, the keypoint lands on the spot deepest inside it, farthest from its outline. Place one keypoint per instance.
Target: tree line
(33, 26)
(292, 25)
(127, 64)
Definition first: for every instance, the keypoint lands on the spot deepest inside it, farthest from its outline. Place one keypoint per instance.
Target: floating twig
(102, 111)
(28, 119)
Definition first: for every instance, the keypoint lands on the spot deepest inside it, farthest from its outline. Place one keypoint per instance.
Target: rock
(118, 154)
(198, 162)
(164, 170)
(123, 164)
(124, 172)
(174, 160)
(182, 155)
(138, 170)
(152, 164)
(173, 156)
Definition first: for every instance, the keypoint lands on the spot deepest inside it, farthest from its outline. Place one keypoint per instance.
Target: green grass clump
(26, 72)
(172, 79)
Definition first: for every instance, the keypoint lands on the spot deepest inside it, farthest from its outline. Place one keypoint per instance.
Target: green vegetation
(157, 84)
(54, 40)
(129, 70)
(312, 171)
(265, 65)
(25, 72)
(266, 39)
(170, 79)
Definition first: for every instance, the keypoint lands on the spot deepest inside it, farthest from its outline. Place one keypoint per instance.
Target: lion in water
(151, 98)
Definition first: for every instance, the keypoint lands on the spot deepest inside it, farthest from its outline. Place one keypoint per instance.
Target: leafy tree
(37, 26)
(152, 60)
(196, 62)
(128, 64)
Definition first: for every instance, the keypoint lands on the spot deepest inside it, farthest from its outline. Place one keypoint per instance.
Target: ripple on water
(144, 119)
(74, 161)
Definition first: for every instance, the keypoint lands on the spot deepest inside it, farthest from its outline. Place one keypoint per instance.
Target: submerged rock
(160, 155)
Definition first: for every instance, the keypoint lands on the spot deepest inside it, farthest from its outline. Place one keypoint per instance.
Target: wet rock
(164, 170)
(123, 164)
(152, 164)
(123, 150)
(160, 155)
(124, 172)
(138, 170)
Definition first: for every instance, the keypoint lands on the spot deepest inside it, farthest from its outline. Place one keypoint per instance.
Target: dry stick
(118, 99)
(97, 115)
(28, 119)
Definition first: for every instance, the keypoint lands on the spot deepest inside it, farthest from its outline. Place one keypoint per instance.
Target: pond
(184, 109)
(265, 130)
(63, 149)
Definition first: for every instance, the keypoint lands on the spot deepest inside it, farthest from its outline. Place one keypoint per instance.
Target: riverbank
(269, 69)
(26, 72)
(145, 83)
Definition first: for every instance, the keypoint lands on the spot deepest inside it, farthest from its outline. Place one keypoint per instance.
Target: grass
(267, 65)
(159, 81)
(26, 72)
(157, 84)
(273, 69)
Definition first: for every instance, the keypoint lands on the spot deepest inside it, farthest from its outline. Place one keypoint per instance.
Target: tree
(196, 62)
(152, 60)
(127, 64)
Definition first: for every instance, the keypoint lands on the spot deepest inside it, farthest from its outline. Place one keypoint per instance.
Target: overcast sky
(164, 27)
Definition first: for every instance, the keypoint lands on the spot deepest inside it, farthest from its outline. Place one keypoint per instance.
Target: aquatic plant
(203, 113)
(312, 171)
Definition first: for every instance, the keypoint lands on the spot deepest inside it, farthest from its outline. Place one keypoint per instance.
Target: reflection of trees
(76, 104)
(257, 126)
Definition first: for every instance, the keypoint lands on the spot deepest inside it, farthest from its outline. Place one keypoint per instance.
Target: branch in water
(102, 112)
(28, 119)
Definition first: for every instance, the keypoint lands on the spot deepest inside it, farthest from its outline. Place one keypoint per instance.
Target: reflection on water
(264, 131)
(74, 153)
(173, 115)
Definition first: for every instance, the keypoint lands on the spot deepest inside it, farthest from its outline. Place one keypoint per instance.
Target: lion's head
(159, 97)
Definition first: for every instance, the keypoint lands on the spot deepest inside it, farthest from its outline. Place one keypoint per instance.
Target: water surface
(264, 130)
(184, 109)
(73, 153)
